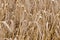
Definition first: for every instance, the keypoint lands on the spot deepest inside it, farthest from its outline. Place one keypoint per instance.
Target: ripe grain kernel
(6, 4)
(53, 0)
(22, 5)
(2, 4)
(24, 10)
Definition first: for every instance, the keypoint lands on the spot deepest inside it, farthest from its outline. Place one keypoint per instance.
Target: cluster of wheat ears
(29, 19)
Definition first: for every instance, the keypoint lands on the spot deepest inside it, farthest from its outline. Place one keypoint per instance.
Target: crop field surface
(29, 19)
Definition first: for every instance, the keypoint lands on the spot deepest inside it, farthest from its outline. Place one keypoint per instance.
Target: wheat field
(29, 19)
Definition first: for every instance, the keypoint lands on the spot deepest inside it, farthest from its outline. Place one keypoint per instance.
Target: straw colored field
(29, 19)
